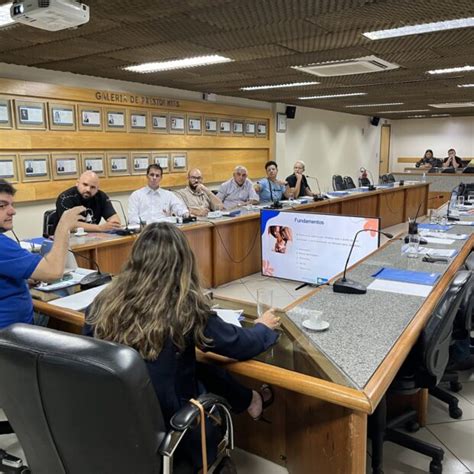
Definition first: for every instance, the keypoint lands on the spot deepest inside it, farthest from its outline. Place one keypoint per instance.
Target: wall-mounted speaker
(374, 121)
(290, 111)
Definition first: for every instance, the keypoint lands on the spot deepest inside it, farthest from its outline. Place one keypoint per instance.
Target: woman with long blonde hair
(156, 305)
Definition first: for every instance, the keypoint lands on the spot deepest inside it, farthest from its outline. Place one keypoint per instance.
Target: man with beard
(86, 193)
(199, 199)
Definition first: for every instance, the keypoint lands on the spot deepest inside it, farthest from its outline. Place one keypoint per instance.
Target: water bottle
(423, 179)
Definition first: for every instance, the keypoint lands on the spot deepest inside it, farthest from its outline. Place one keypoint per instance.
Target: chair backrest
(349, 182)
(469, 263)
(384, 179)
(338, 183)
(391, 178)
(435, 339)
(364, 182)
(49, 223)
(463, 321)
(77, 404)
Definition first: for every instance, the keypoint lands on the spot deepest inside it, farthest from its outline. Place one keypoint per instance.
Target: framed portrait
(179, 162)
(5, 113)
(262, 129)
(159, 122)
(250, 128)
(34, 167)
(177, 123)
(62, 116)
(163, 159)
(140, 161)
(210, 125)
(138, 121)
(115, 120)
(225, 126)
(238, 127)
(118, 163)
(93, 161)
(281, 122)
(194, 125)
(90, 118)
(30, 115)
(65, 165)
(8, 168)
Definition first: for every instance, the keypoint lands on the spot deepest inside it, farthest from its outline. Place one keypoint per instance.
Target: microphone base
(126, 231)
(349, 287)
(318, 197)
(372, 187)
(95, 279)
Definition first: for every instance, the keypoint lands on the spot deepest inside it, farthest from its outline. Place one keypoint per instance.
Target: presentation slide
(313, 248)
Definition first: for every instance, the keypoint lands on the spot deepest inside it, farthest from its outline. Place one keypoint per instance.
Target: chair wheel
(436, 467)
(455, 412)
(455, 386)
(412, 426)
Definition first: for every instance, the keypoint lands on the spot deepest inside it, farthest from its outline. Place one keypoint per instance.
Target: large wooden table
(229, 248)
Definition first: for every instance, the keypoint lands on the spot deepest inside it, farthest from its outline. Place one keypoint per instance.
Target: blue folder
(407, 276)
(438, 227)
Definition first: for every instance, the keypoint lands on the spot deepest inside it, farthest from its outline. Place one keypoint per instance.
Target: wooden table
(229, 248)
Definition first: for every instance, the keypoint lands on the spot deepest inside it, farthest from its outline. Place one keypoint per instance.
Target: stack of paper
(230, 316)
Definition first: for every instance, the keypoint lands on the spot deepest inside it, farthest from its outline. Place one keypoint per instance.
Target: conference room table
(228, 248)
(326, 384)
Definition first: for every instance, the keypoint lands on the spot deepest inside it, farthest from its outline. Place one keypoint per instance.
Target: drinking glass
(264, 300)
(413, 245)
(460, 202)
(434, 218)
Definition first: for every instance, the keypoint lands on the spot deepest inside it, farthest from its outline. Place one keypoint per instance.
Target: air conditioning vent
(43, 3)
(453, 105)
(363, 65)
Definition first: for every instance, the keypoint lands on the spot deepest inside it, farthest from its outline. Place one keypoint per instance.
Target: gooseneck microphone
(413, 226)
(344, 285)
(319, 196)
(126, 230)
(94, 279)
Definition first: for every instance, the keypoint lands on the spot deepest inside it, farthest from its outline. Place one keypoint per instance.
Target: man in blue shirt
(17, 264)
(270, 188)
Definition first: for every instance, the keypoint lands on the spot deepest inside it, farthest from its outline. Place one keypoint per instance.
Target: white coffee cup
(80, 231)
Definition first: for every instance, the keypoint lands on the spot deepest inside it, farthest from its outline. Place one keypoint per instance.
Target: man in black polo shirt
(87, 193)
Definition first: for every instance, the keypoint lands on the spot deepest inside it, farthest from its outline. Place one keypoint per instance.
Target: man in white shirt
(238, 191)
(152, 203)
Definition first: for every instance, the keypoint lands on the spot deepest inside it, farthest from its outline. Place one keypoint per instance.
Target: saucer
(81, 234)
(321, 326)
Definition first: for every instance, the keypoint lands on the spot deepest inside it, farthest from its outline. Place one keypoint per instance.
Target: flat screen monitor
(313, 248)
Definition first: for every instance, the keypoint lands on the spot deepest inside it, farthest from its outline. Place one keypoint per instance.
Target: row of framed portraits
(28, 114)
(28, 167)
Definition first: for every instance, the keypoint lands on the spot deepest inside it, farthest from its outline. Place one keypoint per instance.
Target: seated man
(199, 199)
(270, 188)
(86, 193)
(18, 265)
(297, 181)
(237, 191)
(152, 203)
(452, 161)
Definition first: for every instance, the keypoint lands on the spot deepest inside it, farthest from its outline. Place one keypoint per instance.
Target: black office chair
(49, 223)
(384, 179)
(364, 182)
(81, 405)
(338, 183)
(423, 368)
(349, 182)
(469, 263)
(391, 178)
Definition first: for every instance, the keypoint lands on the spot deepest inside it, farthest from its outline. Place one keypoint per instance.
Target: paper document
(437, 240)
(400, 287)
(464, 223)
(437, 252)
(407, 276)
(230, 316)
(80, 300)
(445, 235)
(69, 279)
(435, 227)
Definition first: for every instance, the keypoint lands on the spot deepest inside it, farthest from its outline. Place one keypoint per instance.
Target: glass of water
(460, 202)
(413, 245)
(264, 300)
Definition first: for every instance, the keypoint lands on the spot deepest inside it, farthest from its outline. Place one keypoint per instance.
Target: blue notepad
(438, 227)
(407, 276)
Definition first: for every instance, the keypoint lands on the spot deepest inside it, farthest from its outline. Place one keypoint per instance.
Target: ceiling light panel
(279, 86)
(388, 104)
(452, 105)
(450, 70)
(332, 96)
(420, 29)
(178, 64)
(402, 111)
(465, 85)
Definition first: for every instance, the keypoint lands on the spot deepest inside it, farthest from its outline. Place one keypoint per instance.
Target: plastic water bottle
(423, 179)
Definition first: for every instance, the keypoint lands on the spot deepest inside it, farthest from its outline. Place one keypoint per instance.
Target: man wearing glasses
(152, 203)
(199, 199)
(238, 191)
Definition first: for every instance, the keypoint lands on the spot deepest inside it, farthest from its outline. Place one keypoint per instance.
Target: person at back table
(297, 181)
(152, 203)
(86, 193)
(199, 199)
(452, 161)
(17, 265)
(271, 189)
(156, 305)
(428, 161)
(237, 191)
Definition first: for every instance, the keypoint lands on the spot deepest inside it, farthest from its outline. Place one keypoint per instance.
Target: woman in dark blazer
(156, 306)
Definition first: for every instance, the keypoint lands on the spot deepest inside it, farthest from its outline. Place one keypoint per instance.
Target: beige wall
(413, 137)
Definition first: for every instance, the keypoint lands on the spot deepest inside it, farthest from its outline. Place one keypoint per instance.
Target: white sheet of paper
(77, 275)
(400, 287)
(437, 240)
(80, 300)
(437, 252)
(444, 235)
(230, 316)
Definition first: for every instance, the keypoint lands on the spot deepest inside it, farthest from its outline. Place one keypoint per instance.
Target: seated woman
(428, 161)
(156, 306)
(271, 189)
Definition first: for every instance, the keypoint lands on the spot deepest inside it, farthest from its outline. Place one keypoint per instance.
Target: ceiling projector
(51, 15)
